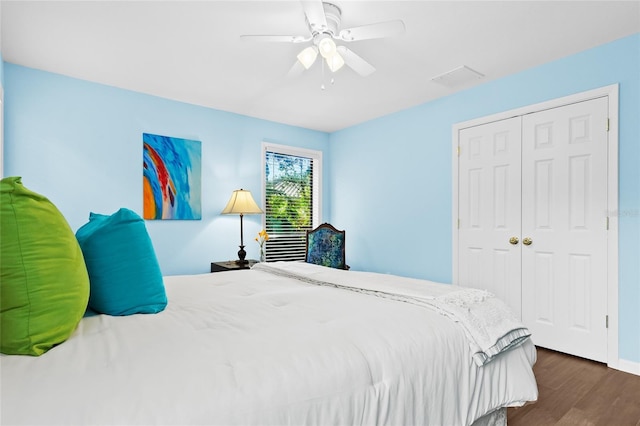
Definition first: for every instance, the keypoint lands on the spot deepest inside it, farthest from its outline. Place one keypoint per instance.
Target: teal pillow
(123, 269)
(44, 286)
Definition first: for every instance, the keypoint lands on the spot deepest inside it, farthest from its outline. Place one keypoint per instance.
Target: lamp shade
(326, 46)
(335, 62)
(241, 202)
(308, 56)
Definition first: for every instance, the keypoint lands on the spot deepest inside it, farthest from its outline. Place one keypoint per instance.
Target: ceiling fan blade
(296, 70)
(314, 11)
(378, 30)
(276, 38)
(355, 62)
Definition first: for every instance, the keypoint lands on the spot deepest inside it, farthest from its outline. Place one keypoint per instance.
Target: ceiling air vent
(457, 77)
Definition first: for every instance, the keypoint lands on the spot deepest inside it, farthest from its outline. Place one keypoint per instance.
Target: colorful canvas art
(171, 178)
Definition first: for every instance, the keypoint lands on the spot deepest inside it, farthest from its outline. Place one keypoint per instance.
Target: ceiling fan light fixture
(323, 21)
(335, 62)
(327, 46)
(308, 56)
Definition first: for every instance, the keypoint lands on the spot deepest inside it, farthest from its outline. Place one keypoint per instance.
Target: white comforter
(254, 347)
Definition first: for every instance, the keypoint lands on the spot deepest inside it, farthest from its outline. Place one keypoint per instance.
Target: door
(564, 205)
(532, 203)
(489, 209)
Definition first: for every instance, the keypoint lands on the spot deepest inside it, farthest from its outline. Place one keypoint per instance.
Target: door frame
(611, 93)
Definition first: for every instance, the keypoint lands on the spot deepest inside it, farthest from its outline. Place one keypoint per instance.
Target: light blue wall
(392, 186)
(80, 144)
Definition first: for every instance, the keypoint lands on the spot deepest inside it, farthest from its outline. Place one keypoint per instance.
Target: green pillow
(123, 269)
(44, 284)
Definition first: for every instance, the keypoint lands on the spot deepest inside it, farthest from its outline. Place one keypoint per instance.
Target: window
(291, 191)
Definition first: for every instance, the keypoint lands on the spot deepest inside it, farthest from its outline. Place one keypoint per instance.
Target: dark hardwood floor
(576, 391)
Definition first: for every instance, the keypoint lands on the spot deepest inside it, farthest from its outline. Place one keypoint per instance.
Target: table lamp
(241, 203)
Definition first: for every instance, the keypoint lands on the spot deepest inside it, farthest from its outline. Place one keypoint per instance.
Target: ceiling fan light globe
(335, 62)
(308, 56)
(327, 47)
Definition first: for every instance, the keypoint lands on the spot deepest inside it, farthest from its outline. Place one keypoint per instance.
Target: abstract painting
(171, 178)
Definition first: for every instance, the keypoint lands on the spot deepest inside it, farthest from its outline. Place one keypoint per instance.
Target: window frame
(316, 182)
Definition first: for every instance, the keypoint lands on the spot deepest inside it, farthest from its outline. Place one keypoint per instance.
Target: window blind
(288, 205)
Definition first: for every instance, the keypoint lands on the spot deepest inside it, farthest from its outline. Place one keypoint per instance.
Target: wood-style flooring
(576, 391)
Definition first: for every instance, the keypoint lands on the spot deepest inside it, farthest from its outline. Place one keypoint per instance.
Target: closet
(532, 220)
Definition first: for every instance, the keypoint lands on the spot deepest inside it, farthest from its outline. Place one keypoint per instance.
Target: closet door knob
(527, 241)
(513, 240)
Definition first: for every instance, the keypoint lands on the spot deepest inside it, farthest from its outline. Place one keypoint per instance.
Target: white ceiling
(191, 51)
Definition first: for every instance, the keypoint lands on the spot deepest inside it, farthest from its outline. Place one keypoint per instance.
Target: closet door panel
(489, 209)
(564, 200)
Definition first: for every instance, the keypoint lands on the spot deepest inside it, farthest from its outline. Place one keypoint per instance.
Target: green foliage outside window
(288, 192)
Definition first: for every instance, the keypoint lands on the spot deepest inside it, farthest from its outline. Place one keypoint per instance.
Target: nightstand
(231, 265)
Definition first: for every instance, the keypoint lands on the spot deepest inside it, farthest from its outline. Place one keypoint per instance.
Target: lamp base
(241, 256)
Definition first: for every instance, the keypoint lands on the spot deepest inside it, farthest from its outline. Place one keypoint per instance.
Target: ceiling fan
(323, 20)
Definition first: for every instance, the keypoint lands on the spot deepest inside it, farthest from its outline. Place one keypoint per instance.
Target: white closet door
(489, 209)
(564, 202)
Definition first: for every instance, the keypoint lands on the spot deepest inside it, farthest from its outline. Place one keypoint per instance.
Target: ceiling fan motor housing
(333, 16)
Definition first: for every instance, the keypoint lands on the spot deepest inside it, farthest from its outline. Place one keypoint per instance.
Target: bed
(284, 343)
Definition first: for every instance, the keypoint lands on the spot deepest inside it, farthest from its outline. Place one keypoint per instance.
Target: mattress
(282, 344)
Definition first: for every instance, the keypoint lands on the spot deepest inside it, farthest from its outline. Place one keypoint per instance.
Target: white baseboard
(629, 366)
